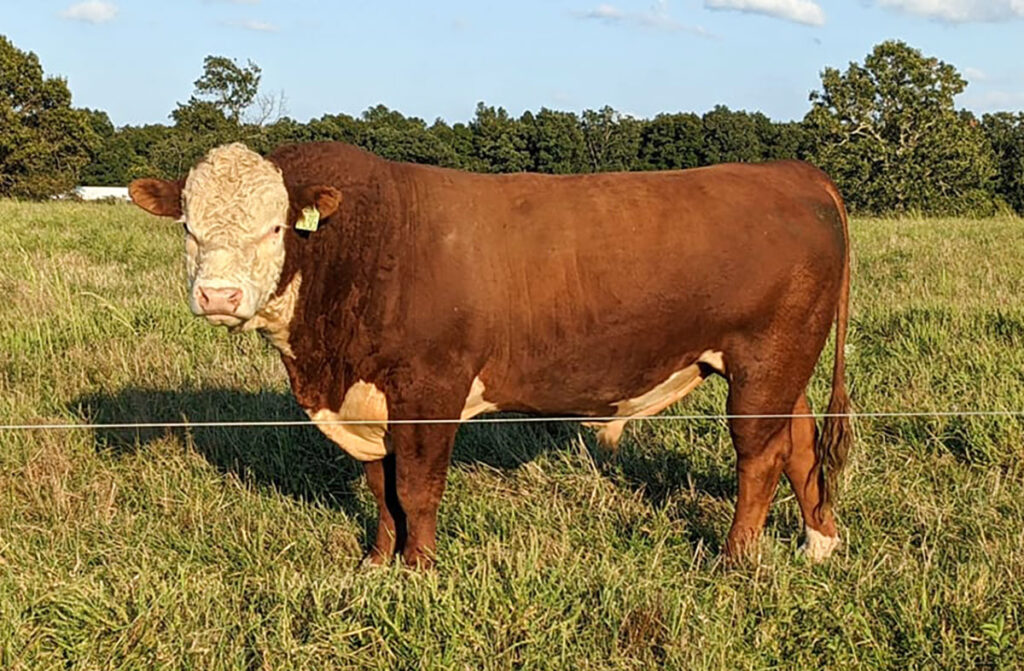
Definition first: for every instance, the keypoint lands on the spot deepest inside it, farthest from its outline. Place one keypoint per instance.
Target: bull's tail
(836, 435)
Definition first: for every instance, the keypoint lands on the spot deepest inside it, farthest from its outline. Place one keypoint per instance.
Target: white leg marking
(817, 546)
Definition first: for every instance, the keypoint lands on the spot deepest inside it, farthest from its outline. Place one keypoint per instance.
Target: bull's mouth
(223, 319)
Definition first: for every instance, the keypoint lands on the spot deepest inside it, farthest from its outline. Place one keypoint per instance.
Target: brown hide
(564, 294)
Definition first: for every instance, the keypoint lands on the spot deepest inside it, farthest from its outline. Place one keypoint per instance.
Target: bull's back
(604, 247)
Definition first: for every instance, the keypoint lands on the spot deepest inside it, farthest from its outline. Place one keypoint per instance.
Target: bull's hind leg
(805, 478)
(761, 398)
(766, 446)
(761, 446)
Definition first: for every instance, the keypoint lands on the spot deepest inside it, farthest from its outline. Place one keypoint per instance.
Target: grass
(238, 549)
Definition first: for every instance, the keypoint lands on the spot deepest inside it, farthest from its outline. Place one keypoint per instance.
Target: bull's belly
(636, 403)
(360, 425)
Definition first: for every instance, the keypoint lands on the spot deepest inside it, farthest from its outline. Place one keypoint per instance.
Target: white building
(100, 192)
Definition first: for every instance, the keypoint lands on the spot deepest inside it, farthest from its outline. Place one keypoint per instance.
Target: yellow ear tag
(310, 219)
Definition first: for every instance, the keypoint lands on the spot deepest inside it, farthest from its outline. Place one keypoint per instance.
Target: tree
(555, 141)
(44, 142)
(787, 140)
(338, 127)
(672, 142)
(499, 141)
(1005, 132)
(391, 134)
(199, 126)
(125, 155)
(888, 133)
(459, 138)
(229, 87)
(211, 117)
(733, 136)
(612, 139)
(100, 123)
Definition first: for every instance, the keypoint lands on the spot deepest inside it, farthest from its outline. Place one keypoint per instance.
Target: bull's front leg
(422, 453)
(380, 476)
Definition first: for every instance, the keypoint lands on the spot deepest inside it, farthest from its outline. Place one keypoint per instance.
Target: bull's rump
(586, 290)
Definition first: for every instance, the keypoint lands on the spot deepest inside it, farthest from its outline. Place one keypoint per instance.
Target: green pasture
(240, 548)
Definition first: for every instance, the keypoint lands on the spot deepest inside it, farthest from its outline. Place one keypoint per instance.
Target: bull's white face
(235, 210)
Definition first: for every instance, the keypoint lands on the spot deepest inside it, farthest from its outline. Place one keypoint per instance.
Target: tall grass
(238, 548)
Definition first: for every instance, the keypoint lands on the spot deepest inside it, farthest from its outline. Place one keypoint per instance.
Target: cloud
(90, 11)
(607, 12)
(656, 18)
(995, 100)
(807, 12)
(959, 11)
(253, 25)
(975, 74)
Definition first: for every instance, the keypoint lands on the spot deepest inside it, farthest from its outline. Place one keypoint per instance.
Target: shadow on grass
(300, 462)
(660, 471)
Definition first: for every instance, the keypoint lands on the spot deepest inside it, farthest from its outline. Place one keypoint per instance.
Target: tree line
(887, 131)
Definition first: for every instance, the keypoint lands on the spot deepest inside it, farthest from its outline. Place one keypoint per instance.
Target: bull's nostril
(235, 298)
(204, 300)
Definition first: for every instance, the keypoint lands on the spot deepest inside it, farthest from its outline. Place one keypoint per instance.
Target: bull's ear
(161, 197)
(326, 199)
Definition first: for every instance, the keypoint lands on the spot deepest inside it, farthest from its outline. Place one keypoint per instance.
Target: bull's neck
(330, 275)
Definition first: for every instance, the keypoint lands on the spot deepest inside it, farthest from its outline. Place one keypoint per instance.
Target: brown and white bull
(429, 293)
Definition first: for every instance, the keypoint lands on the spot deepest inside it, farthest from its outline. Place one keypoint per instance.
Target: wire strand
(499, 420)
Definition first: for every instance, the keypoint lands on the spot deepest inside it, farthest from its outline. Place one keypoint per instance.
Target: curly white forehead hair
(234, 188)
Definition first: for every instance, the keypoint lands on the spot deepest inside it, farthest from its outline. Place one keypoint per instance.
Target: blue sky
(136, 59)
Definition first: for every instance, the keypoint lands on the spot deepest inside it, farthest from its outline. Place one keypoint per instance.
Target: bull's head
(236, 212)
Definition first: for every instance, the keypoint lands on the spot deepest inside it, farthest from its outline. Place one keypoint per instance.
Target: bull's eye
(271, 234)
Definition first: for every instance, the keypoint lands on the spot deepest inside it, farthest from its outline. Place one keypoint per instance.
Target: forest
(887, 130)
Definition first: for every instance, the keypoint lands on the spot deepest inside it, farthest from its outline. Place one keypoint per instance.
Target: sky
(137, 59)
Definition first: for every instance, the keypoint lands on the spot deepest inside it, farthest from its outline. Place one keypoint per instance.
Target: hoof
(743, 549)
(419, 559)
(374, 560)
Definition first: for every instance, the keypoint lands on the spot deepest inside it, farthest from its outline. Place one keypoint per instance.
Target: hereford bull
(428, 293)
